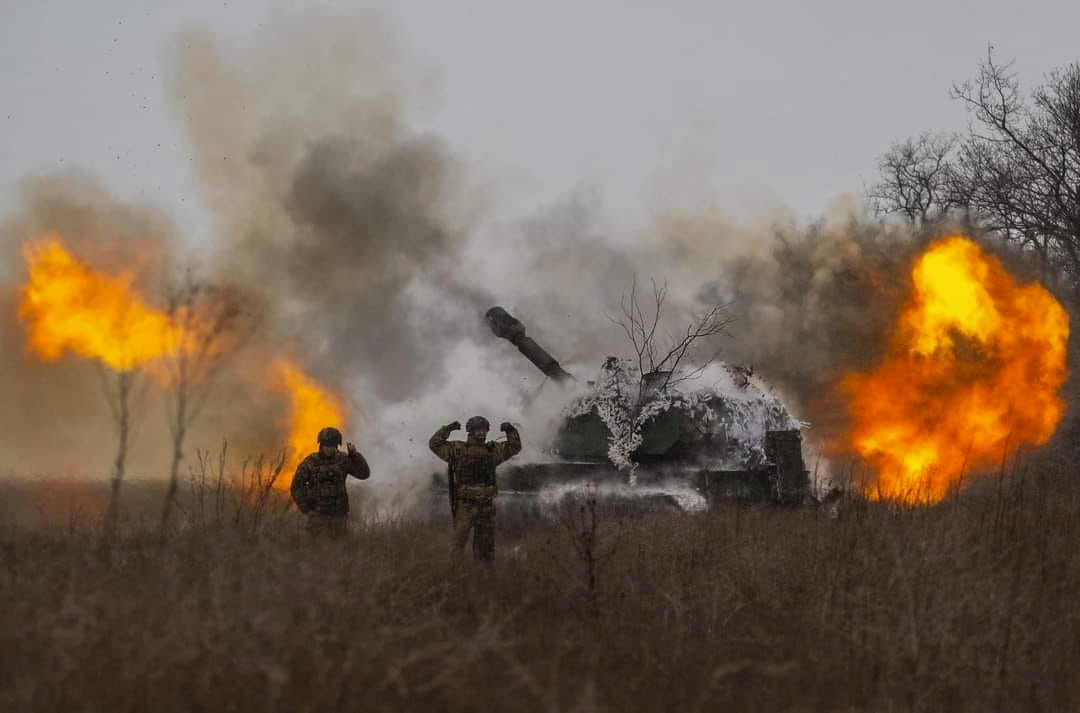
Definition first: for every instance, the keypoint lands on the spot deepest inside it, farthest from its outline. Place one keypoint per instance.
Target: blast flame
(974, 366)
(312, 408)
(67, 307)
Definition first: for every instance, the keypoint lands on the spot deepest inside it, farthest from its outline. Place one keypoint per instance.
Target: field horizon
(964, 605)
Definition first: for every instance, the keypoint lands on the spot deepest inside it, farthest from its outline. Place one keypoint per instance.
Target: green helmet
(330, 436)
(477, 423)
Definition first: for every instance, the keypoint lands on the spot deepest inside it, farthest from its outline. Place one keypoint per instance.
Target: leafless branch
(1015, 173)
(915, 178)
(209, 323)
(120, 401)
(713, 322)
(640, 326)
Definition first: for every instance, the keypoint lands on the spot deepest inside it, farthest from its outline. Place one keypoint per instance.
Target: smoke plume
(365, 243)
(54, 414)
(325, 197)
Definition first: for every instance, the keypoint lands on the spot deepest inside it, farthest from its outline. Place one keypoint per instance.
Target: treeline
(1013, 173)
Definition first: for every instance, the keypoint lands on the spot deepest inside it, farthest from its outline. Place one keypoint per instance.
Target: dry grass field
(969, 605)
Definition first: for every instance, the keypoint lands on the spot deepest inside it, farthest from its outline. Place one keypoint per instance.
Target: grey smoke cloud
(58, 415)
(363, 236)
(55, 416)
(325, 196)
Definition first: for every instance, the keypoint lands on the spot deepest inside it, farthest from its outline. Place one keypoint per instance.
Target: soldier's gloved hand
(506, 427)
(456, 425)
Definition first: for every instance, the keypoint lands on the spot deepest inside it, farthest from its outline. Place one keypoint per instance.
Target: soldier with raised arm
(318, 486)
(472, 465)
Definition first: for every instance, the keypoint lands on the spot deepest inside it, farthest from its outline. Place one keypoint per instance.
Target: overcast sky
(740, 103)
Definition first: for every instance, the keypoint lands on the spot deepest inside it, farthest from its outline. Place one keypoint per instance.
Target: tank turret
(722, 439)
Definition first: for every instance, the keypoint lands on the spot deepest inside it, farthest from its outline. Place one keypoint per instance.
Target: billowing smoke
(55, 417)
(365, 241)
(59, 416)
(326, 198)
(817, 303)
(350, 228)
(807, 303)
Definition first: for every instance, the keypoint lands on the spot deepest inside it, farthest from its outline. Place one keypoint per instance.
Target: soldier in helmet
(472, 464)
(318, 486)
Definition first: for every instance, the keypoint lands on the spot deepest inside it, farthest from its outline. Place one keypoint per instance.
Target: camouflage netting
(732, 409)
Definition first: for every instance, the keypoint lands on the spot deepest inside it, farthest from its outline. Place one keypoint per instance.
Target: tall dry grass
(966, 606)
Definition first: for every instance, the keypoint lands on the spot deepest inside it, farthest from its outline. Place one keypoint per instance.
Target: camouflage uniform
(473, 464)
(318, 488)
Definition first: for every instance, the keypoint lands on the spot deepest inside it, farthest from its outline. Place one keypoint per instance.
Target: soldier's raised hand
(456, 425)
(506, 427)
(351, 448)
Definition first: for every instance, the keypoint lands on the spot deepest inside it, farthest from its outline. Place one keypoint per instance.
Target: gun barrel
(507, 327)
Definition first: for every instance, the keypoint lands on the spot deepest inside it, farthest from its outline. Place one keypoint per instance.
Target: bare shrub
(966, 605)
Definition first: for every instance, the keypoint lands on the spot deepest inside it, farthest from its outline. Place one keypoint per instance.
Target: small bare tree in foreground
(208, 324)
(121, 380)
(581, 520)
(119, 393)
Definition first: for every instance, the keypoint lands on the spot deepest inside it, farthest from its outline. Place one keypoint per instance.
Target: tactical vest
(327, 489)
(477, 466)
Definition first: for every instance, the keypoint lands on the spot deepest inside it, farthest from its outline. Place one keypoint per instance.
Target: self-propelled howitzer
(649, 436)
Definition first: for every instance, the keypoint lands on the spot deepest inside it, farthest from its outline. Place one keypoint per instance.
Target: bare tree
(208, 324)
(119, 394)
(1015, 173)
(121, 380)
(662, 363)
(625, 407)
(639, 328)
(1019, 170)
(916, 179)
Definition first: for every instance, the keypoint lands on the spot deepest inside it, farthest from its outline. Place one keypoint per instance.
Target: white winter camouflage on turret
(728, 404)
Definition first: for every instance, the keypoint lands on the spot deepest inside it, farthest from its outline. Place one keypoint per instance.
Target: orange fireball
(67, 307)
(975, 365)
(311, 409)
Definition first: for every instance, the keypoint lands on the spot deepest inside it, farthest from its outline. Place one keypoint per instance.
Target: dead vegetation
(968, 605)
(653, 356)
